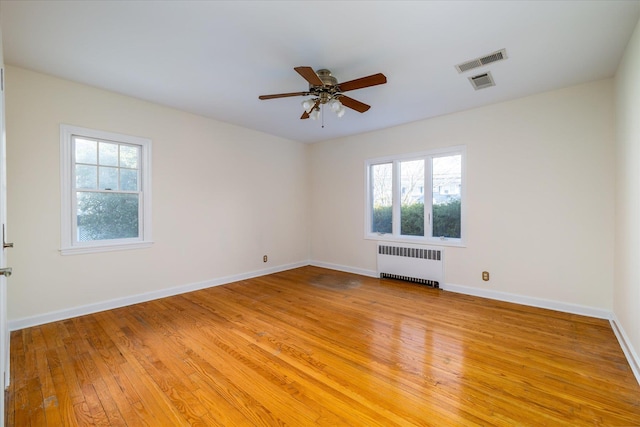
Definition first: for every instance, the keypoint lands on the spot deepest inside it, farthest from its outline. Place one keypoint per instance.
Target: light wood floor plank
(314, 347)
(336, 356)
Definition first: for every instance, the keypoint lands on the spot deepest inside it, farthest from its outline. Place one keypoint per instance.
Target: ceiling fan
(325, 89)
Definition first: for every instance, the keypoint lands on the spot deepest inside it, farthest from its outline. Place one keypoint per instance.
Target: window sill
(457, 243)
(78, 250)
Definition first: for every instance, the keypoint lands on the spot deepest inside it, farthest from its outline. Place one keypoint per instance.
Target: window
(106, 191)
(400, 206)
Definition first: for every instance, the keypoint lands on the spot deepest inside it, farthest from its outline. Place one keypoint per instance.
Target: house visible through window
(400, 206)
(106, 191)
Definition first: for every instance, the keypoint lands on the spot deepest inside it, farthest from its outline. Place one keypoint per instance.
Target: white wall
(223, 196)
(540, 175)
(627, 249)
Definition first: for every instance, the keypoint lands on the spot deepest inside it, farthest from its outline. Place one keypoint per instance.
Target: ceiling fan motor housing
(329, 86)
(326, 77)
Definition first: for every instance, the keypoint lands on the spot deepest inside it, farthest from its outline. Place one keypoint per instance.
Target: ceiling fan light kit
(337, 107)
(308, 104)
(325, 89)
(315, 113)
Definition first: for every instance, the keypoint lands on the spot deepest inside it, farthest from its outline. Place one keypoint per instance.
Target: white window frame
(395, 235)
(69, 245)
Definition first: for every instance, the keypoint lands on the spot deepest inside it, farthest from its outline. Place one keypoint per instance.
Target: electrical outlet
(264, 258)
(485, 276)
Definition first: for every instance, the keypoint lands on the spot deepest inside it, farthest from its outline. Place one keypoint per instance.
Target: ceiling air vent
(479, 62)
(482, 81)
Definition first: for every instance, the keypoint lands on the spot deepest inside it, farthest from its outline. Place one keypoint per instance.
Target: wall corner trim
(627, 348)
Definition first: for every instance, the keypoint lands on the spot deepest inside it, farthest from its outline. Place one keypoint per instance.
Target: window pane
(86, 177)
(86, 151)
(412, 198)
(108, 178)
(108, 154)
(382, 197)
(447, 186)
(128, 180)
(129, 156)
(103, 216)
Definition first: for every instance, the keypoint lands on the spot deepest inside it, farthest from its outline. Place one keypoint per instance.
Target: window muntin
(106, 188)
(107, 192)
(400, 206)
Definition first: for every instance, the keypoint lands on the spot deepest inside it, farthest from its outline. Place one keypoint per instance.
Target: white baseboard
(627, 348)
(530, 301)
(55, 316)
(346, 269)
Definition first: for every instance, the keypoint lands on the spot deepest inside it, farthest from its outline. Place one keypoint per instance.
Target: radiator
(413, 263)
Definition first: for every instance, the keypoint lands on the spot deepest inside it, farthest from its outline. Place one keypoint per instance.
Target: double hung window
(417, 197)
(106, 191)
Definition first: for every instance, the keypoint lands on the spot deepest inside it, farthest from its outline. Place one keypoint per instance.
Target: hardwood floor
(318, 347)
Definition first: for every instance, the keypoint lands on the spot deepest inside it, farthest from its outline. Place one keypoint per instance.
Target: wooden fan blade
(305, 115)
(283, 95)
(309, 75)
(354, 104)
(373, 80)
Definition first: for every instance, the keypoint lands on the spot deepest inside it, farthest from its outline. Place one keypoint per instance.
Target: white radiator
(414, 263)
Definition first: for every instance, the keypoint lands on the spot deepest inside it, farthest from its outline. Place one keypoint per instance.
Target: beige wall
(540, 175)
(223, 196)
(627, 250)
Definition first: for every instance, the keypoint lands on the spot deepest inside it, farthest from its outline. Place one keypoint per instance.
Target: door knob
(6, 272)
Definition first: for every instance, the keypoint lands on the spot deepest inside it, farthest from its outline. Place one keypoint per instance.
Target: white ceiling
(215, 58)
